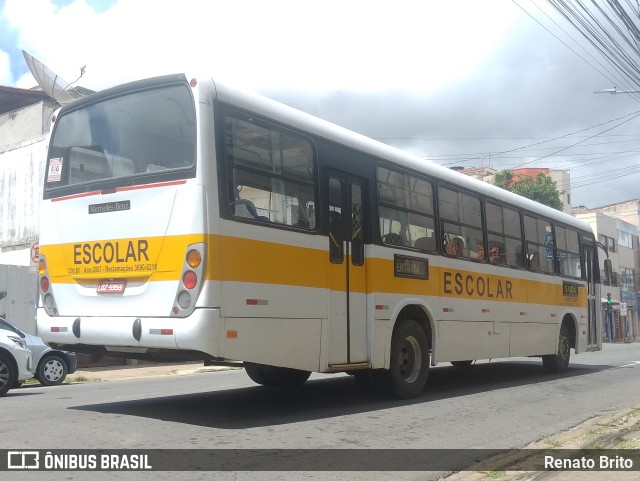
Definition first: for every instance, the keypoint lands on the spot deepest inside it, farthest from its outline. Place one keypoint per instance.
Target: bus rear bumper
(199, 332)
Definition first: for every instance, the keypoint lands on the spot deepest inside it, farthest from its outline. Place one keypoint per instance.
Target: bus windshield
(145, 133)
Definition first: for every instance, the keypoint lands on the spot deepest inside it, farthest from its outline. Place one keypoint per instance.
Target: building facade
(24, 123)
(620, 243)
(562, 179)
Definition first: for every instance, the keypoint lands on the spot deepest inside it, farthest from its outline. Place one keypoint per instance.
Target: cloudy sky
(461, 82)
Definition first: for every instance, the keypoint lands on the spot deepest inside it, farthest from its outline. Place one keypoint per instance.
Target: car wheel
(8, 374)
(52, 371)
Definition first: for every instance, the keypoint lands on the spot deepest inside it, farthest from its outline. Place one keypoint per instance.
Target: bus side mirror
(608, 272)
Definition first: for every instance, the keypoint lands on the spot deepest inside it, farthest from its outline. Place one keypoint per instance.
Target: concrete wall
(562, 179)
(21, 184)
(22, 158)
(24, 124)
(622, 257)
(21, 288)
(627, 211)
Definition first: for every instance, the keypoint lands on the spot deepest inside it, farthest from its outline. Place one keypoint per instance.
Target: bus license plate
(111, 286)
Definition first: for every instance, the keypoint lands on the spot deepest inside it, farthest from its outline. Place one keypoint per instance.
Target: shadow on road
(330, 396)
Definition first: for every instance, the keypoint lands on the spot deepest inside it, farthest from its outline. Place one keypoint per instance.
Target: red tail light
(190, 279)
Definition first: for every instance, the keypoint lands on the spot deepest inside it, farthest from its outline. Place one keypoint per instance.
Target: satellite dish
(52, 84)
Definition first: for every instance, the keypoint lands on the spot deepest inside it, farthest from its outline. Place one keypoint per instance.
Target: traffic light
(608, 299)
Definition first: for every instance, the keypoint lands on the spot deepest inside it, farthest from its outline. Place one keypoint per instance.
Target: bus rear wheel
(555, 363)
(276, 376)
(409, 364)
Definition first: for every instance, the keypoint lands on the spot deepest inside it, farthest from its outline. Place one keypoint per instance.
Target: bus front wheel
(554, 363)
(409, 363)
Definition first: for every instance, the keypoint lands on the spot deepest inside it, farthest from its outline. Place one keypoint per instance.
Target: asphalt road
(491, 405)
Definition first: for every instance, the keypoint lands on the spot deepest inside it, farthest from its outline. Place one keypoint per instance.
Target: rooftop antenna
(51, 83)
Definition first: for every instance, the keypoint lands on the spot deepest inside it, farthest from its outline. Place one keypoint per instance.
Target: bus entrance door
(347, 326)
(594, 334)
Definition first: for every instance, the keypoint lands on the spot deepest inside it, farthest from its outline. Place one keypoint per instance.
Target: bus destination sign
(414, 267)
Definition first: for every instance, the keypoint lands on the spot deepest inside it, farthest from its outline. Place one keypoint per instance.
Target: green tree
(540, 188)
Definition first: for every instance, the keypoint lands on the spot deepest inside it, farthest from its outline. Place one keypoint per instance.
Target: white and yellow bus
(185, 220)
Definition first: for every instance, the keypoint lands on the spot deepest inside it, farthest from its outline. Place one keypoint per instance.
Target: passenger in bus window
(496, 255)
(479, 253)
(454, 247)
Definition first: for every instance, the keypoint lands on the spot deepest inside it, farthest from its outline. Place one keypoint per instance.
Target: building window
(625, 239)
(627, 279)
(609, 242)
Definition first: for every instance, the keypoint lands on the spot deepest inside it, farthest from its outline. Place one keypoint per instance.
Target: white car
(15, 361)
(50, 366)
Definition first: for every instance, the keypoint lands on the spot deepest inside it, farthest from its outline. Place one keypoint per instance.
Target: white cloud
(456, 81)
(408, 45)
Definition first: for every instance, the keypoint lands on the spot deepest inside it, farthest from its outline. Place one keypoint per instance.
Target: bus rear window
(143, 133)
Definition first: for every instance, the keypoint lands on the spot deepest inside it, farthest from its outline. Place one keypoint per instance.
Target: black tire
(409, 366)
(283, 377)
(8, 374)
(555, 363)
(364, 381)
(257, 374)
(362, 378)
(276, 376)
(461, 363)
(52, 370)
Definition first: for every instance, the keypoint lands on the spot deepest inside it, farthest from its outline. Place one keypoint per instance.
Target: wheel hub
(410, 359)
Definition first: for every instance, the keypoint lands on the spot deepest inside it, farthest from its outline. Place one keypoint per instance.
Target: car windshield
(7, 326)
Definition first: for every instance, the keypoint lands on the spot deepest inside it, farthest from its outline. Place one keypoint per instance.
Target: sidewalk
(620, 431)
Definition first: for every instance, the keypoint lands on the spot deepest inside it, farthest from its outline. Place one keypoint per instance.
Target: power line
(610, 30)
(608, 75)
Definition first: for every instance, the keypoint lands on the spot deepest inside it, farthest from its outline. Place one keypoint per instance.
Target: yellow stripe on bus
(248, 260)
(154, 258)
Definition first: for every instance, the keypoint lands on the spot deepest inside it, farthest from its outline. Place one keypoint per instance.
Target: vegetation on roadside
(71, 379)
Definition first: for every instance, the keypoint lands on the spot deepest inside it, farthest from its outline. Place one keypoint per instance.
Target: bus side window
(425, 243)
